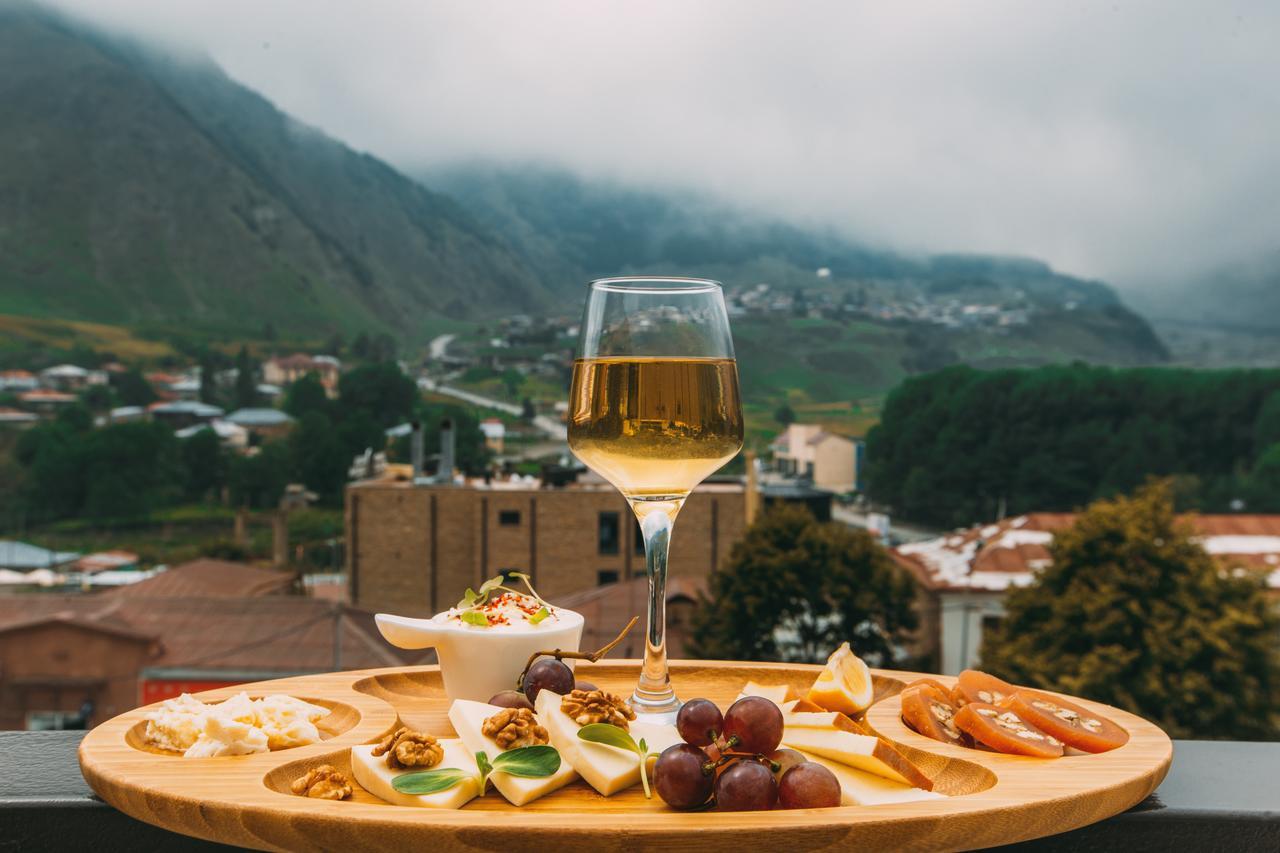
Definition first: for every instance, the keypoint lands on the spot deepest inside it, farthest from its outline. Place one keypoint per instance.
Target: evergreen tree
(246, 380)
(784, 415)
(132, 388)
(208, 378)
(794, 589)
(306, 395)
(317, 457)
(205, 464)
(1134, 613)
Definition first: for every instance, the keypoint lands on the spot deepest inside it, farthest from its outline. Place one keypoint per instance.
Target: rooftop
(258, 417)
(210, 579)
(21, 556)
(996, 556)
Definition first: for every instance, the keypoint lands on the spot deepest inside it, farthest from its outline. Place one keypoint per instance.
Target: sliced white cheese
(468, 718)
(858, 788)
(775, 693)
(608, 769)
(863, 752)
(373, 774)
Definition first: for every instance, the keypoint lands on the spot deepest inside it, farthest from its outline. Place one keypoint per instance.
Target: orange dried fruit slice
(845, 685)
(932, 682)
(1004, 730)
(976, 686)
(1070, 723)
(928, 711)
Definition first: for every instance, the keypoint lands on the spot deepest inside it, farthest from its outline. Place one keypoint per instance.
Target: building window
(509, 518)
(608, 533)
(604, 577)
(637, 540)
(43, 721)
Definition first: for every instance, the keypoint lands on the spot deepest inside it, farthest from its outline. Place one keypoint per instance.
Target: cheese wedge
(858, 788)
(863, 752)
(373, 774)
(608, 769)
(468, 718)
(823, 720)
(775, 693)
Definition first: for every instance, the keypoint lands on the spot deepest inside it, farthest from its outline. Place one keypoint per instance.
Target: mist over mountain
(138, 186)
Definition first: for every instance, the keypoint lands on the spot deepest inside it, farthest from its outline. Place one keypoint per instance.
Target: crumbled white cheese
(238, 726)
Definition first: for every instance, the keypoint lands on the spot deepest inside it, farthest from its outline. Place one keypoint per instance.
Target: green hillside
(140, 187)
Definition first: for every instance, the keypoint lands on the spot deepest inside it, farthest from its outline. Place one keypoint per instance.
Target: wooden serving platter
(245, 800)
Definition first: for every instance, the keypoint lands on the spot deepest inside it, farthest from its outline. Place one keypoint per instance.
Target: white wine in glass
(655, 409)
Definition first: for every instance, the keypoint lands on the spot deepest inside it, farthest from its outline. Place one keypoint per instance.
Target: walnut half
(596, 706)
(513, 727)
(322, 783)
(405, 748)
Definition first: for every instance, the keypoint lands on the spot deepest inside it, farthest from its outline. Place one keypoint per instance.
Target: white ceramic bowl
(477, 662)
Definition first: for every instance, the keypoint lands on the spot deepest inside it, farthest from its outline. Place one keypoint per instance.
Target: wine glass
(654, 409)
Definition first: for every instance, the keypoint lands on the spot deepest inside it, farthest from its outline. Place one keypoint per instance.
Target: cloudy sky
(1130, 141)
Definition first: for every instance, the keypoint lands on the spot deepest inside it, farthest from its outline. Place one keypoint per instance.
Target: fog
(1137, 142)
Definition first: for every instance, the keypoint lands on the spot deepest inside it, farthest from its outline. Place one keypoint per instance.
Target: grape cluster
(732, 761)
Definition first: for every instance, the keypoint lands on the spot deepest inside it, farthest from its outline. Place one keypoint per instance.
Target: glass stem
(654, 695)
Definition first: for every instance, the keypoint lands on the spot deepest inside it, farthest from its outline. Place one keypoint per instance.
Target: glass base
(660, 709)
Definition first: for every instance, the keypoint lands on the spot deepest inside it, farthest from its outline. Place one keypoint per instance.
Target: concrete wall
(961, 620)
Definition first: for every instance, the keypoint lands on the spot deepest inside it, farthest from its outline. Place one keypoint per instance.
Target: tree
(76, 417)
(98, 398)
(794, 589)
(361, 347)
(133, 389)
(784, 415)
(257, 481)
(269, 331)
(246, 394)
(1134, 613)
(317, 457)
(335, 344)
(208, 378)
(205, 464)
(382, 390)
(527, 410)
(305, 395)
(128, 470)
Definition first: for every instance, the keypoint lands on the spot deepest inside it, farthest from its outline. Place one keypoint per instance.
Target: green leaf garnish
(611, 735)
(429, 781)
(530, 762)
(475, 617)
(543, 613)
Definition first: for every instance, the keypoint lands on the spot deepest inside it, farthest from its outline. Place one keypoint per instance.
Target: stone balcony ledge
(1218, 796)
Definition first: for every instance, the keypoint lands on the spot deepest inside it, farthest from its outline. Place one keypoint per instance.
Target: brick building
(413, 550)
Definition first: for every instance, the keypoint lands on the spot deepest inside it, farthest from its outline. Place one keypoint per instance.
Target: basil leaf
(475, 617)
(539, 616)
(609, 736)
(429, 781)
(531, 762)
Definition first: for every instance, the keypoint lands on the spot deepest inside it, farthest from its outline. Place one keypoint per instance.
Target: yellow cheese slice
(608, 769)
(775, 693)
(863, 752)
(468, 718)
(858, 788)
(373, 774)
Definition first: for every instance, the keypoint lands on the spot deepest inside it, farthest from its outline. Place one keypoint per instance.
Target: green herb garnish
(531, 762)
(611, 735)
(473, 600)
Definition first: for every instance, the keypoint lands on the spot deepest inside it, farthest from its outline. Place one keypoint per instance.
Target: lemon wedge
(845, 685)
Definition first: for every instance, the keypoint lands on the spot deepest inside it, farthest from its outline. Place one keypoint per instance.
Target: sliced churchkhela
(1005, 731)
(1070, 723)
(976, 686)
(928, 711)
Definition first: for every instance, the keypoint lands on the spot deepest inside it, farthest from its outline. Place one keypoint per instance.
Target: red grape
(549, 674)
(786, 759)
(681, 778)
(699, 721)
(511, 699)
(809, 786)
(746, 786)
(753, 724)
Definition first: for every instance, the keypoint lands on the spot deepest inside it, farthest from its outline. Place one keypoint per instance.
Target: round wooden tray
(245, 800)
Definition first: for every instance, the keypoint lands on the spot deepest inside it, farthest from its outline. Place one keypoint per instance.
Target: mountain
(137, 186)
(573, 230)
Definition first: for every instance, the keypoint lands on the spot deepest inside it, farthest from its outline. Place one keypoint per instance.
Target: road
(439, 345)
(550, 426)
